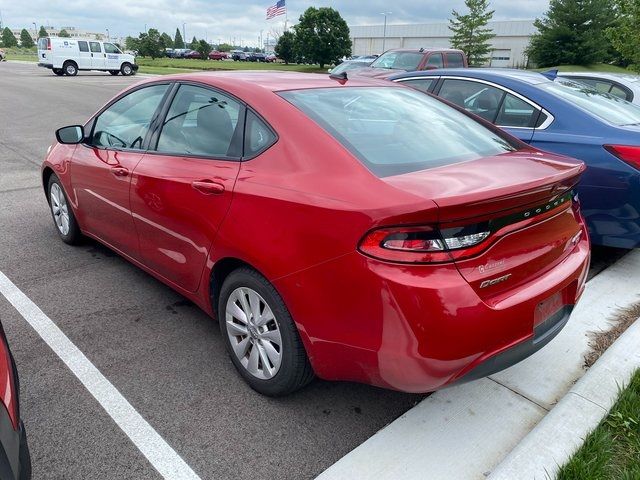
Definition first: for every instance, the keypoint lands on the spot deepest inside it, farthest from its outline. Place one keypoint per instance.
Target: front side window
(398, 60)
(454, 60)
(435, 60)
(603, 105)
(95, 47)
(397, 130)
(111, 48)
(200, 122)
(475, 97)
(126, 123)
(83, 46)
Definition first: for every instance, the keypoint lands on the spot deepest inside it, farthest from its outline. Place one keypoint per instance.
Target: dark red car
(401, 60)
(216, 55)
(15, 460)
(193, 54)
(355, 230)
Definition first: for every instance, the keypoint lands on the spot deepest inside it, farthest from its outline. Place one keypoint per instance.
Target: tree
(470, 32)
(64, 34)
(150, 44)
(165, 41)
(203, 49)
(322, 36)
(8, 39)
(224, 47)
(194, 44)
(624, 34)
(572, 32)
(25, 39)
(285, 48)
(178, 42)
(132, 43)
(43, 32)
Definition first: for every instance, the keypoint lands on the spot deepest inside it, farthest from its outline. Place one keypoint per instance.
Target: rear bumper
(419, 328)
(135, 67)
(46, 65)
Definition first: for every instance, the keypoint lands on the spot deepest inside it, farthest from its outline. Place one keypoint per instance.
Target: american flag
(277, 9)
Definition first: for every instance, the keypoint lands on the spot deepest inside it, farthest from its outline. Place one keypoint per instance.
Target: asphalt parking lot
(162, 353)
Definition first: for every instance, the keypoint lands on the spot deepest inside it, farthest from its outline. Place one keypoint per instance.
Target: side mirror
(70, 135)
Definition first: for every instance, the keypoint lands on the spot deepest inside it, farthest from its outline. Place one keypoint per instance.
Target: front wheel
(62, 212)
(260, 335)
(126, 69)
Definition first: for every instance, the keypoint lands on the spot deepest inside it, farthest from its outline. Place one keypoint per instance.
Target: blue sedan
(560, 116)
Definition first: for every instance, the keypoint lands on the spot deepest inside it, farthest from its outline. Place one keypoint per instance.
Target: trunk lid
(524, 199)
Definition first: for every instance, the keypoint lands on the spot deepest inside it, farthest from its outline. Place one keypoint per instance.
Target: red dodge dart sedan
(348, 229)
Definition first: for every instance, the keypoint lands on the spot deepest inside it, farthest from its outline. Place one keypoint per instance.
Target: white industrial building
(508, 46)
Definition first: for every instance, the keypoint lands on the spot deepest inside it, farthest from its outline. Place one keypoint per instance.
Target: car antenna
(341, 77)
(550, 74)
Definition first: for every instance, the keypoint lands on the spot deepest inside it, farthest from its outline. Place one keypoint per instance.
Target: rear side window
(258, 136)
(422, 84)
(397, 130)
(95, 47)
(83, 46)
(475, 97)
(200, 122)
(435, 60)
(515, 112)
(454, 60)
(126, 123)
(617, 91)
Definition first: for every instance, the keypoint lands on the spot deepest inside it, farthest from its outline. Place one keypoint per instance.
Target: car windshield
(610, 108)
(397, 130)
(398, 60)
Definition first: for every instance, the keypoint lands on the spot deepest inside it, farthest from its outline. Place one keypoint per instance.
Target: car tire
(58, 71)
(285, 367)
(126, 69)
(114, 72)
(62, 212)
(70, 68)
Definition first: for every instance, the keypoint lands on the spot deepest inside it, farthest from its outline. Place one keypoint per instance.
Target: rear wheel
(126, 69)
(58, 71)
(70, 68)
(261, 338)
(62, 212)
(114, 72)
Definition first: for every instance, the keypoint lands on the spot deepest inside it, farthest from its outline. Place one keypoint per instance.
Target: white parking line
(163, 458)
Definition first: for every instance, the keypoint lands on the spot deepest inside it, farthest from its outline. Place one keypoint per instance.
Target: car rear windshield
(399, 60)
(610, 108)
(396, 130)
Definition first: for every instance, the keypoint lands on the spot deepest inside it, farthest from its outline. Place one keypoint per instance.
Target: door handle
(120, 171)
(208, 187)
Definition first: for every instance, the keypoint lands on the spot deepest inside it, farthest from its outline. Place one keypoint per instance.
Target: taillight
(627, 153)
(424, 244)
(48, 43)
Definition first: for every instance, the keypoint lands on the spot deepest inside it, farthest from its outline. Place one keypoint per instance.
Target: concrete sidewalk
(464, 432)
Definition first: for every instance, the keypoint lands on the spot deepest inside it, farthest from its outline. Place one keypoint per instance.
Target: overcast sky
(237, 18)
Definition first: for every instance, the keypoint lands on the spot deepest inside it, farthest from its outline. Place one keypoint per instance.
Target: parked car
(193, 54)
(68, 56)
(562, 117)
(15, 459)
(348, 65)
(180, 52)
(621, 85)
(271, 57)
(256, 57)
(238, 56)
(406, 59)
(3, 56)
(169, 52)
(216, 55)
(326, 227)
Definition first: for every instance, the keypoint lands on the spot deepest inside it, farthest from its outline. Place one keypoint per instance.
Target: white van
(66, 56)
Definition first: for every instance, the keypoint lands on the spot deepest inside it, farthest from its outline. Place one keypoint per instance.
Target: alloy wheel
(254, 333)
(59, 208)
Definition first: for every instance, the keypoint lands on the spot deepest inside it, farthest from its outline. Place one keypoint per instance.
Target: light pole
(261, 43)
(384, 31)
(184, 34)
(35, 29)
(108, 36)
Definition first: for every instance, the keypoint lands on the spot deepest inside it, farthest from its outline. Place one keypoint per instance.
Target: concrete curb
(557, 437)
(466, 431)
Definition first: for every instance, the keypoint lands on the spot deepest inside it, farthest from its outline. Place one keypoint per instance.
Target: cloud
(239, 19)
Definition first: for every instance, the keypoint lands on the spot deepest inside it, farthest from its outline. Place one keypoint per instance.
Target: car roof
(526, 76)
(271, 80)
(607, 75)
